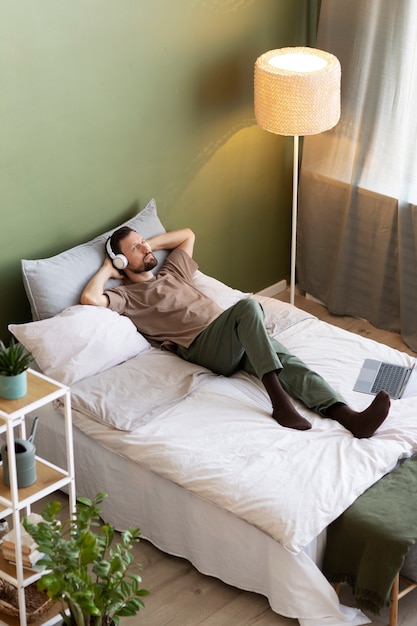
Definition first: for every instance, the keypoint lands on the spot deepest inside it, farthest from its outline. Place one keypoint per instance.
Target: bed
(195, 459)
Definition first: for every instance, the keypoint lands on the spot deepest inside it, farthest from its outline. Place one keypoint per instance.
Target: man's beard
(150, 263)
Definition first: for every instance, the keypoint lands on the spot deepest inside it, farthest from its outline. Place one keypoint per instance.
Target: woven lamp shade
(297, 91)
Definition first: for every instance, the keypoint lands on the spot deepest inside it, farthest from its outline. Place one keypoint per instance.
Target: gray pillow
(55, 284)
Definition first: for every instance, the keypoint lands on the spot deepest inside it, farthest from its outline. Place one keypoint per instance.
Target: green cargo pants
(238, 340)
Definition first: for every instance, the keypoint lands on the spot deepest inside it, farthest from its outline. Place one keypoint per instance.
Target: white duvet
(216, 438)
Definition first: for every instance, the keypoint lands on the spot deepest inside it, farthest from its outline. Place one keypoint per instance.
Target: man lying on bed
(168, 309)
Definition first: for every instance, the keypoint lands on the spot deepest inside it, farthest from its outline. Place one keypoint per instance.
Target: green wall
(105, 104)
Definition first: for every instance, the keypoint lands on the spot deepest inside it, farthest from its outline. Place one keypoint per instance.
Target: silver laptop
(377, 375)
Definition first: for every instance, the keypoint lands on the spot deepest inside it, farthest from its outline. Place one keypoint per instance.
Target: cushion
(80, 342)
(279, 316)
(135, 392)
(56, 283)
(223, 295)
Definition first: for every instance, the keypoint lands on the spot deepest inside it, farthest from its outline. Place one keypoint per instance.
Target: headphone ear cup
(120, 261)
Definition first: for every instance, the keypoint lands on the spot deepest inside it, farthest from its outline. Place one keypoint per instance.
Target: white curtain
(357, 236)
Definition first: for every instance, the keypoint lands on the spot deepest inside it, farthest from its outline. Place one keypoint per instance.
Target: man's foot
(290, 419)
(362, 424)
(283, 410)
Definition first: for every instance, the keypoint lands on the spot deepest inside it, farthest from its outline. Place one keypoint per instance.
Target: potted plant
(90, 577)
(14, 361)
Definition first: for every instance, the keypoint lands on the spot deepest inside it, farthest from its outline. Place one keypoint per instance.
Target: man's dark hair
(118, 236)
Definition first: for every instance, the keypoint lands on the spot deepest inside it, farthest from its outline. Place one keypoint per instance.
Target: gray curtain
(357, 226)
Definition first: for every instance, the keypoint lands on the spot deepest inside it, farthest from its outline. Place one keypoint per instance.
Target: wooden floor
(181, 596)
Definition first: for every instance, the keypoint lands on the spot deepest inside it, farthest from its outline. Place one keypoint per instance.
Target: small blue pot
(13, 387)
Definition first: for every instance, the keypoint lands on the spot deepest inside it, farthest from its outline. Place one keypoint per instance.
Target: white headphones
(119, 260)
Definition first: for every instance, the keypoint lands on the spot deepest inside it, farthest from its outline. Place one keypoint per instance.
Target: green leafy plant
(13, 360)
(89, 575)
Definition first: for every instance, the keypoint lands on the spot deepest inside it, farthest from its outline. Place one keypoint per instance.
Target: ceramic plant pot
(13, 387)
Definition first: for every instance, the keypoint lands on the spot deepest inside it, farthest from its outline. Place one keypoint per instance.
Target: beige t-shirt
(167, 308)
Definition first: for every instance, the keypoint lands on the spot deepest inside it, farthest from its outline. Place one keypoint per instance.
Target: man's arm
(183, 238)
(94, 290)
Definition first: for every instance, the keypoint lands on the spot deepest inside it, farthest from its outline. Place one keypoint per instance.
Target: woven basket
(37, 602)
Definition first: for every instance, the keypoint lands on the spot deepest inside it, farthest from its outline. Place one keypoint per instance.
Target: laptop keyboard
(388, 378)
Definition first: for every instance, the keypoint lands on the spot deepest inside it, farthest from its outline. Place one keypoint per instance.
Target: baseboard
(313, 299)
(274, 289)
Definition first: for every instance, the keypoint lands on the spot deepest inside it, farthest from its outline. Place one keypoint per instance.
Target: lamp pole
(294, 218)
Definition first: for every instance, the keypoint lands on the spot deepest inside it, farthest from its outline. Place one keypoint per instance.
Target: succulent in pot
(89, 574)
(14, 361)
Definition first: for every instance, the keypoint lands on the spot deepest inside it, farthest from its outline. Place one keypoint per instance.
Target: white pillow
(80, 342)
(223, 295)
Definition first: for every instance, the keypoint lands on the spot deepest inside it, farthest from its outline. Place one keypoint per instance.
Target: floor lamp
(297, 93)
